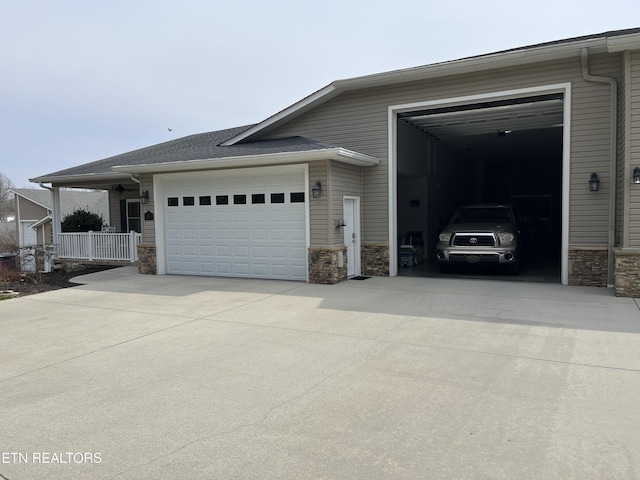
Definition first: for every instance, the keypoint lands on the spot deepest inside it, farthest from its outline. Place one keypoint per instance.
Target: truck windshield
(483, 215)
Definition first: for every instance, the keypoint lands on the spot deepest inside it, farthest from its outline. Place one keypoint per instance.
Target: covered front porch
(117, 241)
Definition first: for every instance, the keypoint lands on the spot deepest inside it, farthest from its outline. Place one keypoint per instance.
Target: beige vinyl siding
(319, 208)
(148, 226)
(620, 150)
(346, 180)
(30, 211)
(358, 121)
(634, 152)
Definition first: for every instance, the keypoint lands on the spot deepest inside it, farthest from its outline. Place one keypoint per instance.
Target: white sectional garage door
(239, 223)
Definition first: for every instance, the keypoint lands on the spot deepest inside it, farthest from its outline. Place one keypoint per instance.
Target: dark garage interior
(507, 152)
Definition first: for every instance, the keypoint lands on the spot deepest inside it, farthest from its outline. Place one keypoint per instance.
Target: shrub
(82, 221)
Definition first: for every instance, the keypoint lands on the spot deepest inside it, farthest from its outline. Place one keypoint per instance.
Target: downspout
(613, 154)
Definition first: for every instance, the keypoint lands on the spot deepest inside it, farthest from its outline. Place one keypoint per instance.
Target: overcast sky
(84, 80)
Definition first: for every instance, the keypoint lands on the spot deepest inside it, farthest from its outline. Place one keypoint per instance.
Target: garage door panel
(223, 233)
(216, 236)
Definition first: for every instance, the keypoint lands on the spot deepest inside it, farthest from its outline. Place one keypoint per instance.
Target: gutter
(338, 154)
(82, 178)
(613, 84)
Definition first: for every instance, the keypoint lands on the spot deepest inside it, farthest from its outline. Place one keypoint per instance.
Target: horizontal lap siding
(319, 207)
(345, 181)
(634, 151)
(358, 121)
(148, 226)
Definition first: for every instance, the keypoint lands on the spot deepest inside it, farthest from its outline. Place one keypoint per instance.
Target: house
(34, 210)
(330, 187)
(34, 220)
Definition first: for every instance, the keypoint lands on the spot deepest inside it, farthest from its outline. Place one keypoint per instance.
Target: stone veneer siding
(588, 266)
(375, 259)
(327, 265)
(147, 259)
(627, 273)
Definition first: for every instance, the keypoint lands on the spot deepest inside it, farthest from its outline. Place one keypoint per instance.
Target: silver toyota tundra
(480, 235)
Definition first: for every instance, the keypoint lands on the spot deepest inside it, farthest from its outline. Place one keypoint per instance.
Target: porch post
(133, 248)
(56, 224)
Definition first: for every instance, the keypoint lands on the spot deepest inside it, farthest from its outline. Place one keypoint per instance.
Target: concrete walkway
(163, 377)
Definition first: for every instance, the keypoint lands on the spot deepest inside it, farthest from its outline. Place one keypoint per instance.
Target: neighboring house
(34, 210)
(329, 187)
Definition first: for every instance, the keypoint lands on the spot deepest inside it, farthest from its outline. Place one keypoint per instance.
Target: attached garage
(248, 223)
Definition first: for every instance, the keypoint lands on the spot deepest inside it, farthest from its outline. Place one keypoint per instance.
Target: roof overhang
(42, 221)
(338, 154)
(510, 58)
(83, 180)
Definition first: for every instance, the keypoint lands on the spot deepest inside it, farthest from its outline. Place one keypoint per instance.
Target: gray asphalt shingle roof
(195, 147)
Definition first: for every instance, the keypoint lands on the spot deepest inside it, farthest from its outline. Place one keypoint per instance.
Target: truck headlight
(506, 238)
(444, 237)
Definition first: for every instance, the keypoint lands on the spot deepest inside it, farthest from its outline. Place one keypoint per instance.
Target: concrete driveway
(144, 377)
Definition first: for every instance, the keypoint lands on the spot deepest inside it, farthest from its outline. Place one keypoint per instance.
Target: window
(297, 197)
(239, 199)
(172, 201)
(206, 200)
(222, 199)
(188, 201)
(277, 198)
(257, 198)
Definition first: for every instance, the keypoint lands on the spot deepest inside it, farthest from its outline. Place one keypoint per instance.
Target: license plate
(473, 259)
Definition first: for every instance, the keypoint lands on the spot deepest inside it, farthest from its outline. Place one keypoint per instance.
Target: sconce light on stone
(594, 183)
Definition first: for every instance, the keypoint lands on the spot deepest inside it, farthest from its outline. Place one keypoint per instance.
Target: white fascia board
(297, 108)
(474, 64)
(338, 154)
(64, 180)
(624, 43)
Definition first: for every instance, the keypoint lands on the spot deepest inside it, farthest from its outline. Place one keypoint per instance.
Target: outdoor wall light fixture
(636, 175)
(316, 189)
(594, 183)
(144, 198)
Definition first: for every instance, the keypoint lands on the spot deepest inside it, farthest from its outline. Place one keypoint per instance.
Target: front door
(351, 208)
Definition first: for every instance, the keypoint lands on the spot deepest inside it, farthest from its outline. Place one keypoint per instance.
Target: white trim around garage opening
(394, 110)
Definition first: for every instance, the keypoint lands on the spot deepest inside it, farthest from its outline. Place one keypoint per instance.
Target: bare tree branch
(6, 197)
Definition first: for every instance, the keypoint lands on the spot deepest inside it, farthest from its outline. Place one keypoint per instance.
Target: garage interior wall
(433, 180)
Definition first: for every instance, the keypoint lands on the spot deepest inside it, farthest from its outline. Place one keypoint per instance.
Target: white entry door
(351, 208)
(237, 223)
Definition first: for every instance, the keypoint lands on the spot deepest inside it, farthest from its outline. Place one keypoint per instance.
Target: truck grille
(474, 240)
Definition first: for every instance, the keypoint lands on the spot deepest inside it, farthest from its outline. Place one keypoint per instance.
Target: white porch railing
(99, 246)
